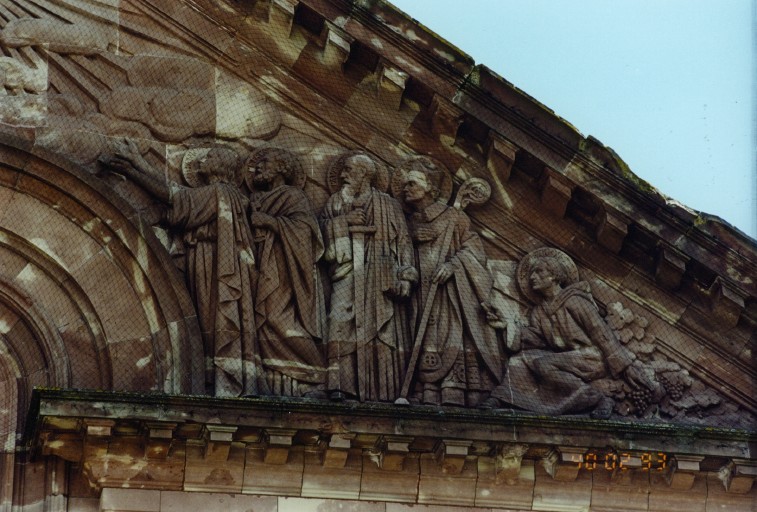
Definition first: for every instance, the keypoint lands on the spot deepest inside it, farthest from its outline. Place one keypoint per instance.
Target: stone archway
(89, 298)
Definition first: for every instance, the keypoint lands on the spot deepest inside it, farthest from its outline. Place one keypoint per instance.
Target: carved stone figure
(216, 248)
(566, 346)
(371, 271)
(459, 356)
(288, 298)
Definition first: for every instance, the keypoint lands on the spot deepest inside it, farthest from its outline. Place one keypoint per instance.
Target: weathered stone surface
(178, 501)
(116, 500)
(100, 289)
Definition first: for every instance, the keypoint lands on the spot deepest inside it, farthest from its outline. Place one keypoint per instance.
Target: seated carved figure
(566, 346)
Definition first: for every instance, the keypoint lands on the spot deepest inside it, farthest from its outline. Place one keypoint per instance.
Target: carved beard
(350, 193)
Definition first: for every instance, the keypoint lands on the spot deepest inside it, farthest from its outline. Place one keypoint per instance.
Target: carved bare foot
(490, 403)
(604, 409)
(337, 396)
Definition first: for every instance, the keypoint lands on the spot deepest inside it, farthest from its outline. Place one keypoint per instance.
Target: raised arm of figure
(127, 160)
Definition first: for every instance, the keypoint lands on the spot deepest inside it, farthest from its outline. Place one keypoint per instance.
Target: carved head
(219, 165)
(358, 170)
(422, 181)
(271, 162)
(547, 272)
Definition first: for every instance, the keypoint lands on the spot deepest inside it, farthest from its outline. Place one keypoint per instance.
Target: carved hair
(283, 158)
(556, 268)
(368, 164)
(431, 171)
(229, 163)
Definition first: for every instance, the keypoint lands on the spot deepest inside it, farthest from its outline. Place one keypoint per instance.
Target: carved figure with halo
(289, 308)
(456, 358)
(566, 347)
(372, 272)
(209, 217)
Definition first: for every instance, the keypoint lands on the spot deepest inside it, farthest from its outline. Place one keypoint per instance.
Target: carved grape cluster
(673, 386)
(641, 399)
(630, 328)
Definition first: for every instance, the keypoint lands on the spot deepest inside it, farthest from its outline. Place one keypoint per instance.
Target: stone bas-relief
(214, 242)
(113, 288)
(428, 331)
(288, 295)
(392, 300)
(460, 359)
(372, 270)
(566, 346)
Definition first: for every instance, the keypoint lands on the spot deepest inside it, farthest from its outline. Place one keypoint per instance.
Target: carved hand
(444, 272)
(401, 288)
(263, 220)
(125, 149)
(638, 378)
(356, 218)
(119, 164)
(492, 316)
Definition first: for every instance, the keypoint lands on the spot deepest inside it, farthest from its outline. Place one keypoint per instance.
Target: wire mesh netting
(253, 201)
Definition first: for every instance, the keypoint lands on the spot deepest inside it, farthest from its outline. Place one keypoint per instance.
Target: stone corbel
(97, 434)
(337, 450)
(281, 15)
(451, 454)
(392, 452)
(508, 460)
(278, 443)
(564, 463)
(67, 445)
(556, 193)
(671, 265)
(682, 471)
(738, 475)
(391, 85)
(159, 440)
(611, 231)
(336, 46)
(218, 442)
(726, 303)
(444, 119)
(500, 155)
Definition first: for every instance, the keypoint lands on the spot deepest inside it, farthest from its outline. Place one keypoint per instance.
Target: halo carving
(523, 271)
(297, 178)
(190, 167)
(333, 181)
(445, 181)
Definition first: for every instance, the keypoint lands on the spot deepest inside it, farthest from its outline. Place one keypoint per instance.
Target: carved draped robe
(370, 368)
(460, 356)
(216, 246)
(566, 338)
(288, 299)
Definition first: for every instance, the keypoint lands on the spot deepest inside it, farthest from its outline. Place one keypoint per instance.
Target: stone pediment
(187, 209)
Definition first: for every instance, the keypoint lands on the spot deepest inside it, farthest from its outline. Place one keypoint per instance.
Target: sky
(668, 84)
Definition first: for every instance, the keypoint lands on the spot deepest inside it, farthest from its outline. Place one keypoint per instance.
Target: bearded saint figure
(288, 297)
(372, 272)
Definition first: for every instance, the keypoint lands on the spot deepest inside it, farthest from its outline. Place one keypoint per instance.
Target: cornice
(585, 162)
(374, 451)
